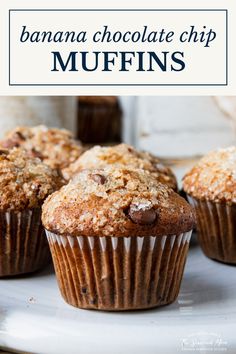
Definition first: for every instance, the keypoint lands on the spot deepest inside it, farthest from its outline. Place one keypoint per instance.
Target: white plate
(34, 317)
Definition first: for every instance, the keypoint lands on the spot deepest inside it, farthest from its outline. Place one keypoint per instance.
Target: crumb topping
(214, 177)
(122, 154)
(24, 182)
(55, 147)
(116, 201)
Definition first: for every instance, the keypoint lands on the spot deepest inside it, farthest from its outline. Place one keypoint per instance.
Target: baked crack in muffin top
(213, 177)
(25, 182)
(122, 155)
(116, 202)
(55, 147)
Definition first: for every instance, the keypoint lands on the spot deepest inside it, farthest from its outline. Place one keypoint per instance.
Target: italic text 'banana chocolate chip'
(142, 215)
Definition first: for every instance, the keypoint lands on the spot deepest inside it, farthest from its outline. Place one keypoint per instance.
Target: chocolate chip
(142, 215)
(14, 141)
(100, 179)
(84, 290)
(4, 152)
(18, 136)
(93, 301)
(35, 153)
(59, 173)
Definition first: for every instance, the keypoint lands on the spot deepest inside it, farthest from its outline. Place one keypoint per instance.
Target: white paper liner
(64, 240)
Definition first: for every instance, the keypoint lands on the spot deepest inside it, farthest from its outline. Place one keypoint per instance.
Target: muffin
(122, 155)
(211, 189)
(118, 239)
(24, 183)
(99, 119)
(55, 147)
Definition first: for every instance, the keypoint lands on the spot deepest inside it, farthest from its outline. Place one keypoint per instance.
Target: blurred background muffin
(24, 183)
(211, 189)
(55, 147)
(99, 119)
(122, 155)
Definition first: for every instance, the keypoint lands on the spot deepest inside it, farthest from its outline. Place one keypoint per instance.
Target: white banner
(122, 50)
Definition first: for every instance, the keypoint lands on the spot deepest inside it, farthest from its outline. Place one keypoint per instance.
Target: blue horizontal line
(146, 10)
(225, 84)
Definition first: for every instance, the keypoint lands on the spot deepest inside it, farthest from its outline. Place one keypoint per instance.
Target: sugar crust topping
(24, 182)
(122, 155)
(213, 177)
(56, 147)
(116, 201)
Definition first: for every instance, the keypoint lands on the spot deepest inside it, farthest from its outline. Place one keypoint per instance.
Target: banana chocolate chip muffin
(24, 184)
(118, 239)
(211, 189)
(55, 147)
(122, 155)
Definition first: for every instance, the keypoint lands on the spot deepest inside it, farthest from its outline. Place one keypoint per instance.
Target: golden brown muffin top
(24, 182)
(122, 155)
(116, 202)
(99, 100)
(55, 147)
(213, 177)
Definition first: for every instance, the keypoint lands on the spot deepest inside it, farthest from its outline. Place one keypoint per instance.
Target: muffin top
(24, 182)
(122, 155)
(55, 147)
(213, 177)
(116, 202)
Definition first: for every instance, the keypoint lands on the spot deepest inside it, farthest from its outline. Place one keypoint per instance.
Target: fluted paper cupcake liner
(23, 245)
(119, 273)
(216, 229)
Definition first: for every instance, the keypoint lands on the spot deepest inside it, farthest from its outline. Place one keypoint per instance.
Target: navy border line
(120, 10)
